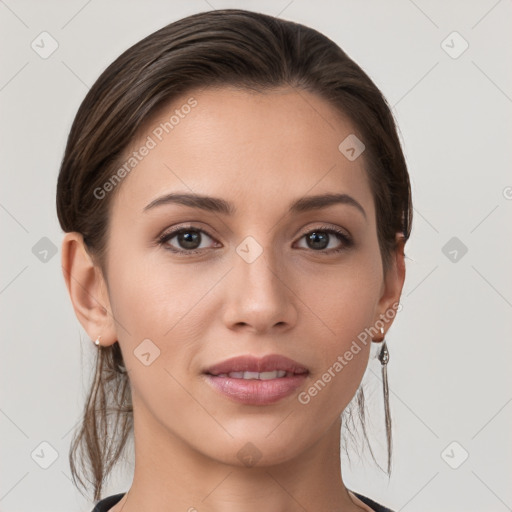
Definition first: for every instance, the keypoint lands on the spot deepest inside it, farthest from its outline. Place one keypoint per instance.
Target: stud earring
(97, 342)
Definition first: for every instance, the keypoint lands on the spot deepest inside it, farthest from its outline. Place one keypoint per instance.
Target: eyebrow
(217, 205)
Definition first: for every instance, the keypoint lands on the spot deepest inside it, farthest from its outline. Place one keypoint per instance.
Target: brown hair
(223, 47)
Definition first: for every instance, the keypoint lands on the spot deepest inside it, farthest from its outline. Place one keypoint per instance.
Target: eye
(319, 238)
(189, 240)
(187, 237)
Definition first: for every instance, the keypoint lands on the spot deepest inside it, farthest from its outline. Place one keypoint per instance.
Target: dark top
(105, 504)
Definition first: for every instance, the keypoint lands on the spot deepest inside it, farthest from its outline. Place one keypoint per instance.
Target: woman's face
(252, 282)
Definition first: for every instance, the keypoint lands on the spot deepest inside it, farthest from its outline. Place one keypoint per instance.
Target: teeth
(272, 375)
(276, 374)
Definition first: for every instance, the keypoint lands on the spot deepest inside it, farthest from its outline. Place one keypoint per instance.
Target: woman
(236, 204)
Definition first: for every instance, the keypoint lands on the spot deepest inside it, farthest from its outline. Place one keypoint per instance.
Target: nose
(260, 295)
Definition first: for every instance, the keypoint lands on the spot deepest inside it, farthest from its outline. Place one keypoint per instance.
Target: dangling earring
(384, 359)
(97, 342)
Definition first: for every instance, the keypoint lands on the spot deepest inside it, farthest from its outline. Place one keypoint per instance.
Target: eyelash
(341, 235)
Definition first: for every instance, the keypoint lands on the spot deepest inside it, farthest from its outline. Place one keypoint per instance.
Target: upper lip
(248, 363)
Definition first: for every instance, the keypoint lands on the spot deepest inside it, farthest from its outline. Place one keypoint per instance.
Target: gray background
(450, 346)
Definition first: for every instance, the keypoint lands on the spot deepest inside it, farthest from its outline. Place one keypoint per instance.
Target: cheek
(344, 306)
(344, 302)
(148, 298)
(168, 306)
(150, 308)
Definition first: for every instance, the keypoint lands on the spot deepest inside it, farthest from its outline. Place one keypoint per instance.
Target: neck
(171, 476)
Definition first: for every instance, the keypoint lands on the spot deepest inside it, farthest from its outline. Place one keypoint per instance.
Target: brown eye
(188, 240)
(319, 239)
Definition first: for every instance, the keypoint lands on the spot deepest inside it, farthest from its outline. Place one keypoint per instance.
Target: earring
(384, 353)
(384, 359)
(97, 342)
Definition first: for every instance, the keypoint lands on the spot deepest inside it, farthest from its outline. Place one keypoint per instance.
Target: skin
(261, 152)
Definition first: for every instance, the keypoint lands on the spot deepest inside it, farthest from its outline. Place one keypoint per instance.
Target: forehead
(253, 149)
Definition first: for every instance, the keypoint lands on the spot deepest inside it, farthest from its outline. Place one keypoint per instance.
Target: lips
(256, 381)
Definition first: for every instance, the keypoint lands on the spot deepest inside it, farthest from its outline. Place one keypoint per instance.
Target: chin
(256, 450)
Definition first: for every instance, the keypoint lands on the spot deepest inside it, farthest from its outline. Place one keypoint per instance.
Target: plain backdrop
(450, 346)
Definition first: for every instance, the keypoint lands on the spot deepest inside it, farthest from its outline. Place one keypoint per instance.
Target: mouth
(276, 374)
(256, 381)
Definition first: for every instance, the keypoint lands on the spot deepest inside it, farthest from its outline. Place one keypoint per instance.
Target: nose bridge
(257, 267)
(258, 294)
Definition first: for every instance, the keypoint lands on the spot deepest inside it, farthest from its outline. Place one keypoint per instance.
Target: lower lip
(255, 391)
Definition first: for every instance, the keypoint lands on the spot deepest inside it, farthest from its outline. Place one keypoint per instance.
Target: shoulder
(376, 507)
(107, 503)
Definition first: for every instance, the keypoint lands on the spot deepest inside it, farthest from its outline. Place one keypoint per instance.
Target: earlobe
(87, 289)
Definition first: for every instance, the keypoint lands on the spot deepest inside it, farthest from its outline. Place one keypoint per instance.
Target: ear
(87, 290)
(392, 287)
